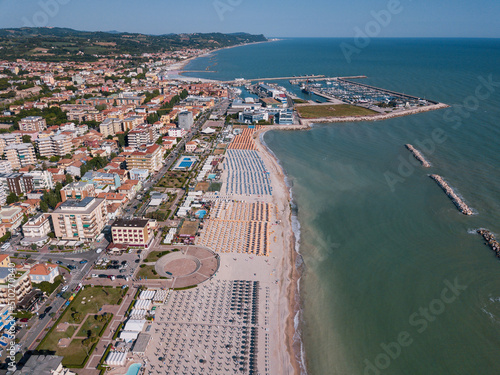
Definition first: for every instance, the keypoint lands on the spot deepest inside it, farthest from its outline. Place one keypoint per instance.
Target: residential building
(131, 122)
(6, 320)
(20, 155)
(41, 180)
(176, 132)
(185, 120)
(59, 145)
(36, 230)
(14, 285)
(16, 183)
(133, 232)
(191, 146)
(33, 123)
(44, 365)
(3, 194)
(43, 272)
(5, 166)
(4, 260)
(150, 158)
(7, 139)
(142, 135)
(138, 174)
(78, 190)
(102, 179)
(110, 126)
(11, 217)
(79, 219)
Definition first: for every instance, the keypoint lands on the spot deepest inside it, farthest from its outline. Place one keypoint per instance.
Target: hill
(63, 44)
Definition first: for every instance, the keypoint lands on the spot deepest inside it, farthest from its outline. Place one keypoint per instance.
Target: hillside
(61, 44)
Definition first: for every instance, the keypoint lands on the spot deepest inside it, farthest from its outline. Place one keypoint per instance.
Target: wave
(298, 318)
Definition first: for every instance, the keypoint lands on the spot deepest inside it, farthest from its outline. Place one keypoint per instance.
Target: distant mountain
(60, 44)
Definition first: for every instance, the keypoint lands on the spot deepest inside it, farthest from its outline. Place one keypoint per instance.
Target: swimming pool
(133, 369)
(201, 214)
(186, 162)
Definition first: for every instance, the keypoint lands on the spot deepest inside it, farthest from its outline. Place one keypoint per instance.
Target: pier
(461, 205)
(490, 241)
(418, 155)
(243, 81)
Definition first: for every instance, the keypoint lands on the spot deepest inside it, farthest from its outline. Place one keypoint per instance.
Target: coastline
(378, 117)
(291, 273)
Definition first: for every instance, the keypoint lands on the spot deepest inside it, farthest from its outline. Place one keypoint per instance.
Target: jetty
(418, 155)
(461, 205)
(490, 240)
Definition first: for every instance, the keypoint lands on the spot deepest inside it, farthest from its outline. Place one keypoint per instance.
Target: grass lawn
(173, 179)
(189, 228)
(74, 354)
(54, 337)
(148, 272)
(47, 287)
(91, 324)
(95, 298)
(333, 110)
(299, 101)
(215, 186)
(155, 255)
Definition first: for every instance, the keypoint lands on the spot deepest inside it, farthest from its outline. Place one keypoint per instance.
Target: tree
(68, 178)
(26, 139)
(12, 198)
(6, 237)
(44, 207)
(55, 158)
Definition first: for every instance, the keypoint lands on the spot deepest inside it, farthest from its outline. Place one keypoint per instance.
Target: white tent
(129, 336)
(135, 325)
(208, 130)
(116, 358)
(147, 294)
(144, 304)
(138, 313)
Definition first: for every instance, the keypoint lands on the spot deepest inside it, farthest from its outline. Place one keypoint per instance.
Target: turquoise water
(201, 214)
(381, 242)
(133, 369)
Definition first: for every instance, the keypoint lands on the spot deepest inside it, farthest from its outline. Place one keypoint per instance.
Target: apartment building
(14, 285)
(5, 166)
(185, 120)
(20, 155)
(11, 217)
(8, 139)
(78, 190)
(33, 123)
(59, 145)
(80, 219)
(133, 232)
(41, 180)
(16, 183)
(142, 135)
(37, 229)
(150, 158)
(110, 126)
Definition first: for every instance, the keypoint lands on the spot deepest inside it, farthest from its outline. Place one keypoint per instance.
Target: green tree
(26, 139)
(68, 179)
(12, 198)
(55, 158)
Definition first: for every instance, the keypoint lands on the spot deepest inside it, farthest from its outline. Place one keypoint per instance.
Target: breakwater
(418, 155)
(490, 240)
(461, 205)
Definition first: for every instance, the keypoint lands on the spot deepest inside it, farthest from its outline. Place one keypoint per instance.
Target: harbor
(461, 205)
(418, 155)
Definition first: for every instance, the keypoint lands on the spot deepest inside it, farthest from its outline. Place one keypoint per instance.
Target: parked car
(71, 267)
(24, 320)
(58, 262)
(65, 288)
(41, 316)
(84, 261)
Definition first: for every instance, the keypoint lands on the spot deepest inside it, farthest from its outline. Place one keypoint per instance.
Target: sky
(273, 18)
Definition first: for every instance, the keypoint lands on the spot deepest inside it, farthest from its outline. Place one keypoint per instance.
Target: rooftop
(40, 365)
(132, 223)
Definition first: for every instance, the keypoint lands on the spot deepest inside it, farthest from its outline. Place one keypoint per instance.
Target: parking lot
(118, 266)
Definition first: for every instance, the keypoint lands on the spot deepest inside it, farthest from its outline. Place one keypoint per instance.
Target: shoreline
(379, 117)
(289, 286)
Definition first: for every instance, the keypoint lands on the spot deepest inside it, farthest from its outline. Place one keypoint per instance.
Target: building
(251, 116)
(191, 146)
(11, 217)
(6, 320)
(143, 135)
(42, 180)
(43, 272)
(132, 232)
(4, 260)
(185, 120)
(138, 174)
(102, 179)
(78, 190)
(176, 132)
(80, 219)
(20, 155)
(58, 145)
(7, 139)
(3, 194)
(44, 365)
(110, 126)
(15, 285)
(150, 158)
(33, 123)
(5, 166)
(16, 183)
(284, 118)
(36, 230)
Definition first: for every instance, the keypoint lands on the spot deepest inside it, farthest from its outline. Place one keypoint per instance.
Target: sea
(394, 280)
